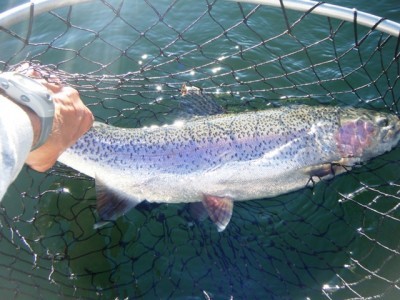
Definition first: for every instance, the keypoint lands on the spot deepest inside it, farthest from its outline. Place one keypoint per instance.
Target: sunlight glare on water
(305, 245)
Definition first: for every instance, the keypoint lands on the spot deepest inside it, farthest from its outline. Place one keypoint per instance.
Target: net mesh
(129, 59)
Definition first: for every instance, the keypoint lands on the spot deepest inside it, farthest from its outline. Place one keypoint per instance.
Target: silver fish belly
(229, 157)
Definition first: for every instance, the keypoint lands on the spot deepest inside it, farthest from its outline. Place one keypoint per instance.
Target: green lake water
(337, 240)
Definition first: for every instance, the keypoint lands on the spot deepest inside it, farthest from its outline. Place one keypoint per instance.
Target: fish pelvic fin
(197, 211)
(111, 201)
(219, 210)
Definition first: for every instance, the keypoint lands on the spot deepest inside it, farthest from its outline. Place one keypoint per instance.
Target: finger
(28, 70)
(52, 86)
(53, 83)
(71, 94)
(89, 119)
(86, 120)
(23, 68)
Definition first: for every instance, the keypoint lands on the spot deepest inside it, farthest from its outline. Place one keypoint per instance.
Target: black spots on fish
(78, 146)
(207, 142)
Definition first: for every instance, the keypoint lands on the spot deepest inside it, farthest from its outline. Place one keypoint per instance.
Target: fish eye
(383, 122)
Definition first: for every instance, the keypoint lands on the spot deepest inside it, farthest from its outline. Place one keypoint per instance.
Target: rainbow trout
(218, 159)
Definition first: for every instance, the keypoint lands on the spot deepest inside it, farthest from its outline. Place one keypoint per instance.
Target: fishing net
(129, 60)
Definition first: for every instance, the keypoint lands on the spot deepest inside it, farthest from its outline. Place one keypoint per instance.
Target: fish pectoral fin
(112, 202)
(321, 171)
(219, 210)
(326, 170)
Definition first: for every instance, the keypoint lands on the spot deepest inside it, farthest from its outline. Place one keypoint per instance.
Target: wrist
(35, 121)
(33, 95)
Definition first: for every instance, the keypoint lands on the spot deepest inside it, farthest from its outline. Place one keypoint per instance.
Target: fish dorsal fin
(193, 102)
(112, 202)
(219, 210)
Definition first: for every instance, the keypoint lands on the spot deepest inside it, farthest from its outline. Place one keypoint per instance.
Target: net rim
(334, 11)
(35, 7)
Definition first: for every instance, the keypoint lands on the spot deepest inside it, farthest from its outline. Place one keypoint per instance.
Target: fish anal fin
(219, 210)
(112, 202)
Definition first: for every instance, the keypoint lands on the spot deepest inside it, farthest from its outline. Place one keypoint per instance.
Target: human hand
(71, 120)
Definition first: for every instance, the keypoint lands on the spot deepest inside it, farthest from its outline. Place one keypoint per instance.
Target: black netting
(129, 60)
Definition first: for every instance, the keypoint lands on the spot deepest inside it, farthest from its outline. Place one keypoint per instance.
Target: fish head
(364, 134)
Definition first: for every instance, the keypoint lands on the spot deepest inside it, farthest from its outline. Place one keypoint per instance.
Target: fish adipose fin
(219, 210)
(111, 202)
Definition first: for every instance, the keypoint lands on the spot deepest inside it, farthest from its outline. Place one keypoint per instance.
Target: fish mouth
(396, 129)
(389, 126)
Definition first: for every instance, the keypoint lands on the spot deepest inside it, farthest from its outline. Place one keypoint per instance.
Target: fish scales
(241, 156)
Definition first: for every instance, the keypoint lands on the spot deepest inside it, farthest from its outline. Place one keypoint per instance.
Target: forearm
(18, 128)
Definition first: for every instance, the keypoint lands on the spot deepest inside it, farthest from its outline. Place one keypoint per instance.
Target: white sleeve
(16, 137)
